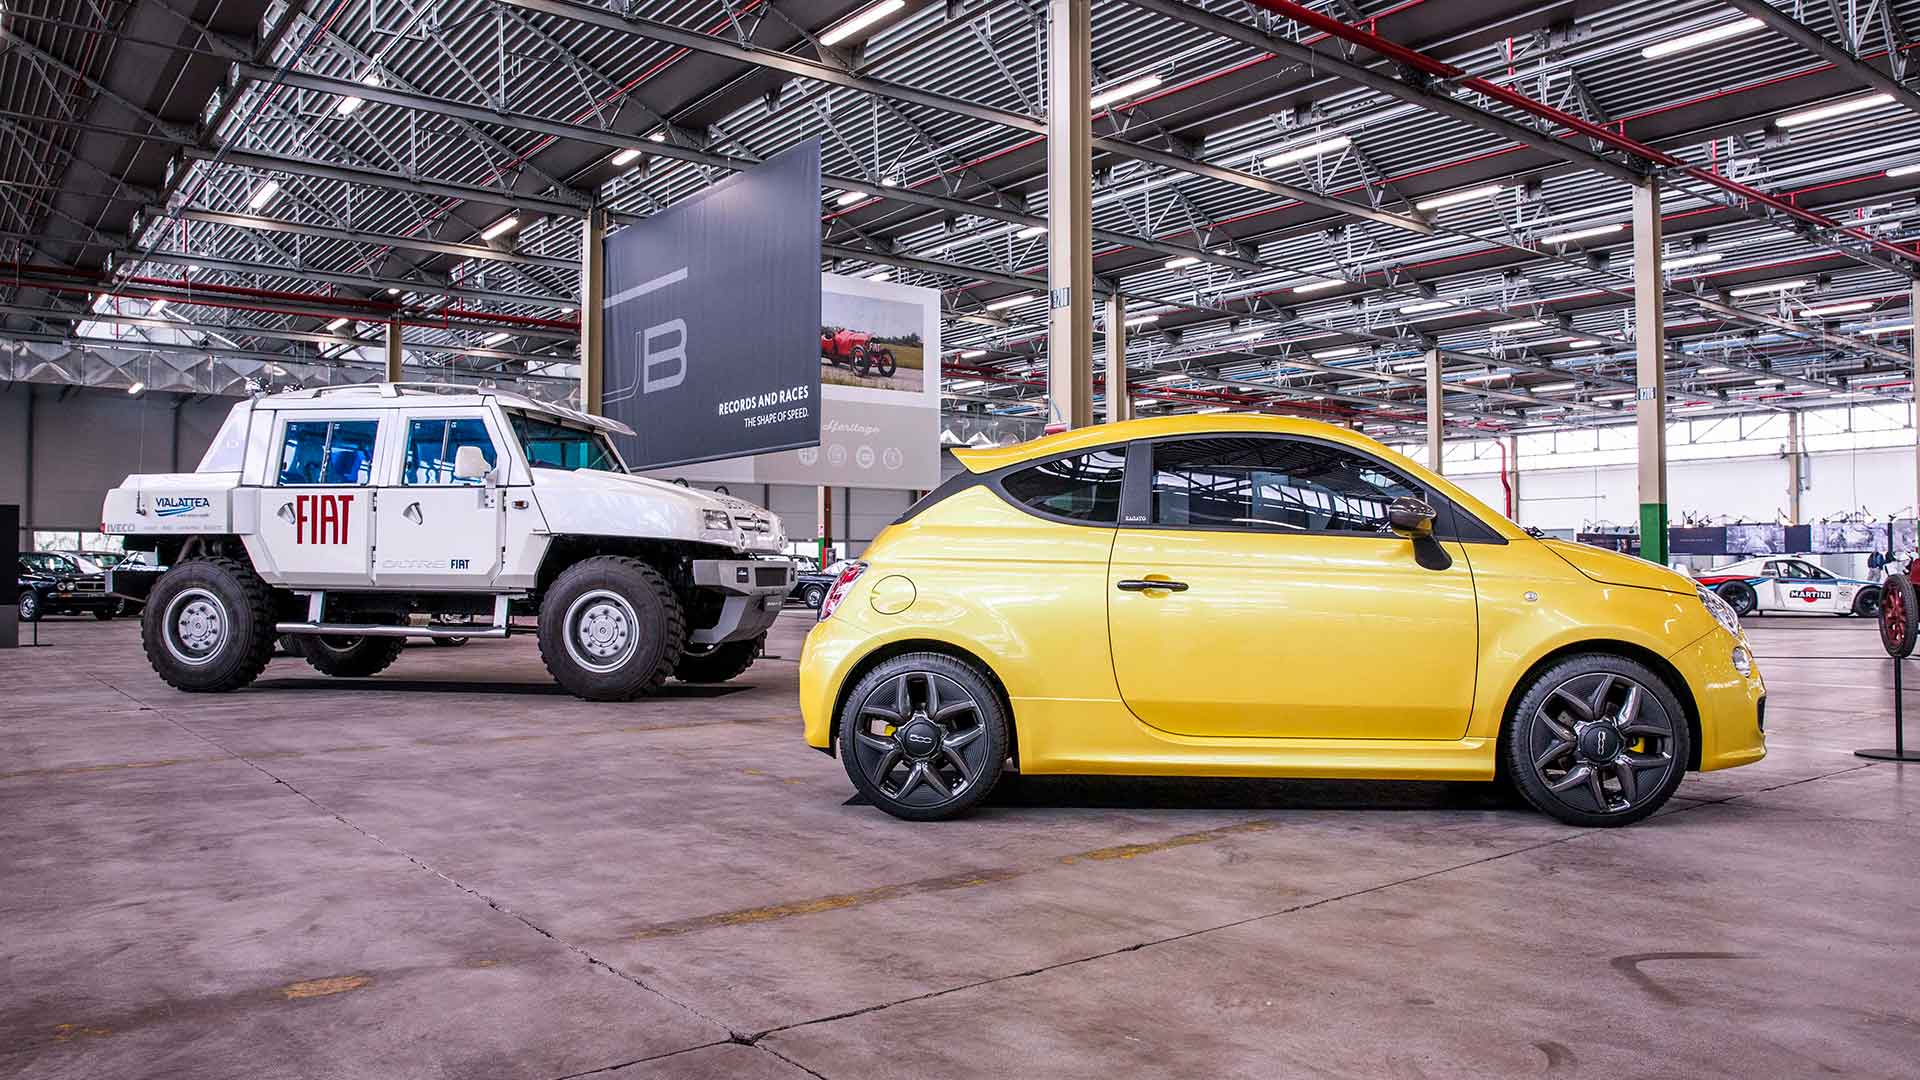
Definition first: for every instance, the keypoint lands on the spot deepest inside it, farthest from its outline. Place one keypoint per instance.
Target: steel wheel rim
(1893, 615)
(1602, 743)
(920, 739)
(602, 631)
(195, 626)
(29, 606)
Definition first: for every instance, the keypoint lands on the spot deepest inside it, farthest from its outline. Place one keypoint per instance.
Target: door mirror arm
(1413, 519)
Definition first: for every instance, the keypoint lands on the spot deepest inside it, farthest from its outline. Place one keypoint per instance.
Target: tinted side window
(1083, 487)
(433, 446)
(1278, 484)
(328, 451)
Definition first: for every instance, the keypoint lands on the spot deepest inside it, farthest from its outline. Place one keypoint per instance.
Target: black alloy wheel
(923, 737)
(1740, 596)
(1598, 740)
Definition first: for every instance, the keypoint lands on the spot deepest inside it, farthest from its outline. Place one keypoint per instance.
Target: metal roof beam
(1816, 43)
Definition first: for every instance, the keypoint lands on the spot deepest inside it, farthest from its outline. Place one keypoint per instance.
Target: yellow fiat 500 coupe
(1254, 596)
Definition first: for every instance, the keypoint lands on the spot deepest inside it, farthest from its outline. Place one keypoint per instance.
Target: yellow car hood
(1613, 568)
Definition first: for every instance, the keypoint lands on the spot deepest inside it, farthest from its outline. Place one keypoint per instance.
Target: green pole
(1653, 532)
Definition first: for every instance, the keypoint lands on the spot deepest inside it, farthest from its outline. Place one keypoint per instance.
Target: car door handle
(1140, 585)
(412, 513)
(286, 513)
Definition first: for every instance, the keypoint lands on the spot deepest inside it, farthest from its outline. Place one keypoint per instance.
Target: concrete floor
(453, 870)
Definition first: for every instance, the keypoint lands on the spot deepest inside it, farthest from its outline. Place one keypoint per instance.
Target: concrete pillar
(1796, 463)
(1512, 467)
(1436, 415)
(593, 311)
(1069, 215)
(393, 352)
(1649, 346)
(824, 525)
(1119, 400)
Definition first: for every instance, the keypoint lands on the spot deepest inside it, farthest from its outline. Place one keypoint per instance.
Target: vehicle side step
(316, 624)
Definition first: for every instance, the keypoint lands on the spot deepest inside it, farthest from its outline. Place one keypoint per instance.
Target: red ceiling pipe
(1420, 61)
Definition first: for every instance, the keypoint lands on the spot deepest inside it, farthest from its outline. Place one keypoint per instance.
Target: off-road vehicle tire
(349, 657)
(719, 663)
(208, 626)
(104, 614)
(1597, 740)
(611, 629)
(947, 744)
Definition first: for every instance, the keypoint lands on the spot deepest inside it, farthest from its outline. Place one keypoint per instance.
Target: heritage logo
(321, 519)
(175, 505)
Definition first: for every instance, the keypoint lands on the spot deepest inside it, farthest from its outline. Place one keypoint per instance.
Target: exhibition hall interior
(845, 539)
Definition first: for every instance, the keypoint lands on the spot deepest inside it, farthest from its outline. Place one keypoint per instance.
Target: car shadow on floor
(379, 684)
(1216, 793)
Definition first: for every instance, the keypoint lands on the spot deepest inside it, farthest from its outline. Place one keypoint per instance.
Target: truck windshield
(556, 446)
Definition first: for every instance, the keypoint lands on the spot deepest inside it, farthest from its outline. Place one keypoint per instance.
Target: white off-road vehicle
(354, 518)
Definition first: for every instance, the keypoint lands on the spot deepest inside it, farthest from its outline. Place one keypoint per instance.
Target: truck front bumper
(751, 594)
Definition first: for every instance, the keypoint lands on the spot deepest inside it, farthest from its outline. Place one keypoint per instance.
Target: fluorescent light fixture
(1122, 91)
(1425, 305)
(1184, 260)
(848, 198)
(1174, 377)
(973, 354)
(1553, 387)
(860, 21)
(1317, 286)
(393, 290)
(1684, 261)
(658, 136)
(625, 157)
(1701, 37)
(966, 384)
(495, 339)
(1838, 309)
(1011, 302)
(1142, 320)
(1712, 370)
(1585, 343)
(156, 307)
(1904, 170)
(880, 275)
(1251, 335)
(1491, 376)
(136, 388)
(1030, 231)
(263, 194)
(1769, 382)
(889, 181)
(1900, 328)
(346, 105)
(1838, 108)
(1335, 354)
(1517, 324)
(1617, 395)
(497, 228)
(1313, 149)
(1767, 287)
(1583, 234)
(1454, 198)
(1410, 365)
(337, 323)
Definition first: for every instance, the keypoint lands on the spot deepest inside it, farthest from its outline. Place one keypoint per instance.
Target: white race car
(1780, 583)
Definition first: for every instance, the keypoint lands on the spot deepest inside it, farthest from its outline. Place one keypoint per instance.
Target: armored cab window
(433, 446)
(328, 452)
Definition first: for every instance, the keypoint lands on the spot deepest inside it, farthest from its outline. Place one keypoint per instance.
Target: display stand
(1899, 629)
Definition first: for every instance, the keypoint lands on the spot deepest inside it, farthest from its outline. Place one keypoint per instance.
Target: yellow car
(1255, 596)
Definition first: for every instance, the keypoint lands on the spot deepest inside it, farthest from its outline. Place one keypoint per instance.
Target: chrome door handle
(1139, 585)
(412, 513)
(286, 512)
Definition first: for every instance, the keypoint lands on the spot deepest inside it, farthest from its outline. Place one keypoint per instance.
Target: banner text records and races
(758, 401)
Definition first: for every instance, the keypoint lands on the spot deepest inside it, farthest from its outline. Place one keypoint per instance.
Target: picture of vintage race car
(1777, 583)
(842, 347)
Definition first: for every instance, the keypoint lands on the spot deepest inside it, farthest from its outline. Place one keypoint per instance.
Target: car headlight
(718, 521)
(1721, 611)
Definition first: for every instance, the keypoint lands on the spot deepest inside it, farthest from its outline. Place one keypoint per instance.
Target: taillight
(840, 586)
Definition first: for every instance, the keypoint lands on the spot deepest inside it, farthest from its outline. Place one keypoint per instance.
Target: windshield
(552, 445)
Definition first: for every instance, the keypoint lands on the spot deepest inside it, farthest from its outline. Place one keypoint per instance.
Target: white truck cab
(337, 515)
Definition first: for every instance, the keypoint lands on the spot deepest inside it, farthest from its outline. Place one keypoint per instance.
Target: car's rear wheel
(923, 736)
(813, 597)
(30, 606)
(1740, 596)
(1597, 740)
(208, 626)
(718, 663)
(611, 629)
(349, 657)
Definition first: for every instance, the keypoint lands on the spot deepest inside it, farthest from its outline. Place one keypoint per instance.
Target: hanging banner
(711, 310)
(879, 366)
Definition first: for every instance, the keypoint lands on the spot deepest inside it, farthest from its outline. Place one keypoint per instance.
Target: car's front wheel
(1597, 740)
(30, 606)
(611, 628)
(923, 736)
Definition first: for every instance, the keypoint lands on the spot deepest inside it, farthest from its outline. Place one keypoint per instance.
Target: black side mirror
(1410, 517)
(1413, 518)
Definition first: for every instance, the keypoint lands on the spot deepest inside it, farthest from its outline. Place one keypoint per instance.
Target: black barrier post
(1899, 631)
(1899, 751)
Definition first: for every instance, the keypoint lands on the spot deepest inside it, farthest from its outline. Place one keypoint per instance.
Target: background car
(1257, 596)
(1780, 583)
(810, 586)
(55, 583)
